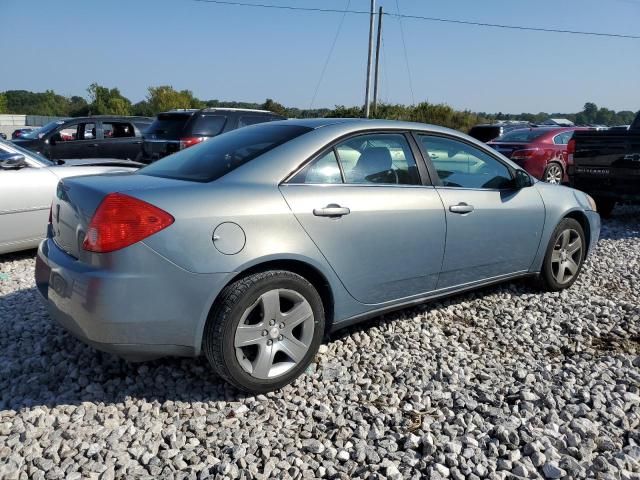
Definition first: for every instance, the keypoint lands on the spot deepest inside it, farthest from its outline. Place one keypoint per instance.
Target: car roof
(361, 123)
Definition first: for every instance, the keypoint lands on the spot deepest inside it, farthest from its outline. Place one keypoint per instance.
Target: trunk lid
(507, 149)
(77, 199)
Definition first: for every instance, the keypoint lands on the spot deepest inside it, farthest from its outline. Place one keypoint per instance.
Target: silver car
(251, 246)
(27, 183)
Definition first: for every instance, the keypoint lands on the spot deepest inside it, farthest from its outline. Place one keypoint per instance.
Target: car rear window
(168, 125)
(220, 155)
(523, 136)
(208, 125)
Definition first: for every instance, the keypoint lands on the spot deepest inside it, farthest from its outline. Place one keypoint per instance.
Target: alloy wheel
(554, 174)
(274, 333)
(566, 256)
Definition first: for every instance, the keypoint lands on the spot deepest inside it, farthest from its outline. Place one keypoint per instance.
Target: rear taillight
(524, 154)
(571, 149)
(190, 142)
(120, 221)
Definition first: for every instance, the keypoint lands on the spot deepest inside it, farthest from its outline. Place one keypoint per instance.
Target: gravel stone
(507, 382)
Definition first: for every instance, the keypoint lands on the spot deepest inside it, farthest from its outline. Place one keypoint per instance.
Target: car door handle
(138, 142)
(331, 210)
(93, 145)
(461, 208)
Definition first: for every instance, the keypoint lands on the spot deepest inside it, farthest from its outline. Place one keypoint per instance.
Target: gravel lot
(502, 383)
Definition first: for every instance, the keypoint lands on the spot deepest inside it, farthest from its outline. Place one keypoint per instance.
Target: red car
(540, 151)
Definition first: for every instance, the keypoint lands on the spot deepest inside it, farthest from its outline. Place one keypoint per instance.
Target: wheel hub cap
(274, 334)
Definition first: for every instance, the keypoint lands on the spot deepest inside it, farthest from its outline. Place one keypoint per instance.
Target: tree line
(102, 100)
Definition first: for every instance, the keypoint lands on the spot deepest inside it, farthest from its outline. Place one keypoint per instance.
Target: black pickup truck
(606, 165)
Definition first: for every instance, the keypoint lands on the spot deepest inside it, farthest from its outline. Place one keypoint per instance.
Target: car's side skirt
(435, 295)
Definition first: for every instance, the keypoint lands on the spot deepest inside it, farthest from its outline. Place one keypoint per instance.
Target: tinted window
(215, 158)
(461, 165)
(322, 170)
(246, 120)
(485, 133)
(378, 158)
(522, 135)
(168, 125)
(209, 125)
(40, 132)
(117, 130)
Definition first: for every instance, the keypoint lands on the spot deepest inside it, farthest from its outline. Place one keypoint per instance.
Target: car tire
(566, 252)
(251, 349)
(553, 173)
(605, 206)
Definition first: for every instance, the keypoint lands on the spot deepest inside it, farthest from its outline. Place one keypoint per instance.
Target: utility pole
(377, 67)
(368, 87)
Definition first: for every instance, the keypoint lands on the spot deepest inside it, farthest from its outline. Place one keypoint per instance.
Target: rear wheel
(264, 330)
(553, 173)
(565, 256)
(605, 206)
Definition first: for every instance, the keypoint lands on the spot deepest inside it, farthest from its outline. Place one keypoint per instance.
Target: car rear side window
(322, 170)
(117, 130)
(523, 136)
(220, 155)
(247, 120)
(168, 125)
(208, 125)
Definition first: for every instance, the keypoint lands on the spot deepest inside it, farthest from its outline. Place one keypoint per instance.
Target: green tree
(274, 107)
(3, 103)
(165, 97)
(105, 101)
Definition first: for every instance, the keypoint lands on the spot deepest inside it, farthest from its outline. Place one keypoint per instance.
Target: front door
(76, 140)
(363, 204)
(493, 229)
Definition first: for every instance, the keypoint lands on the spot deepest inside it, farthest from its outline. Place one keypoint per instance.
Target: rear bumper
(137, 316)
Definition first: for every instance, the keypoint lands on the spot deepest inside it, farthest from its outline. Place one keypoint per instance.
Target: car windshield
(523, 135)
(28, 153)
(220, 155)
(42, 131)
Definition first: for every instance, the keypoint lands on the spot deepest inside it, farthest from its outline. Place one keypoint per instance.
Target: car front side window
(461, 165)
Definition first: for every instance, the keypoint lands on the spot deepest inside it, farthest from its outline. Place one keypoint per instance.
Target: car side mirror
(12, 161)
(522, 179)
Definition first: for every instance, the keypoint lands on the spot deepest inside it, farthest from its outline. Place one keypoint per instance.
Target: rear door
(379, 226)
(119, 140)
(492, 229)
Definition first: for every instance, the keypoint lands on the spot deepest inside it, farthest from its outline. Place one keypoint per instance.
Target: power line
(333, 46)
(419, 17)
(406, 55)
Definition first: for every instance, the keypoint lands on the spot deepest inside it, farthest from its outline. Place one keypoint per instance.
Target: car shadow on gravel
(42, 364)
(624, 223)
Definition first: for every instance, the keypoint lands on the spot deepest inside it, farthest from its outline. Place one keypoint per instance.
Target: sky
(250, 54)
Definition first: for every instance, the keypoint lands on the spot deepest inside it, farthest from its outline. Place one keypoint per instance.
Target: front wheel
(264, 330)
(564, 257)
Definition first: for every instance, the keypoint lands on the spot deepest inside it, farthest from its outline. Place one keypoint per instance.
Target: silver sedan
(251, 246)
(27, 183)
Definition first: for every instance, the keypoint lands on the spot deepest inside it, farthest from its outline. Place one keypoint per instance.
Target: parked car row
(136, 138)
(237, 248)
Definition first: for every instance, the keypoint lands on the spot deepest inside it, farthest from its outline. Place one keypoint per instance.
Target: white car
(28, 183)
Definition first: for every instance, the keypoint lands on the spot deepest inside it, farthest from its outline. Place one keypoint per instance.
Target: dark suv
(88, 137)
(179, 129)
